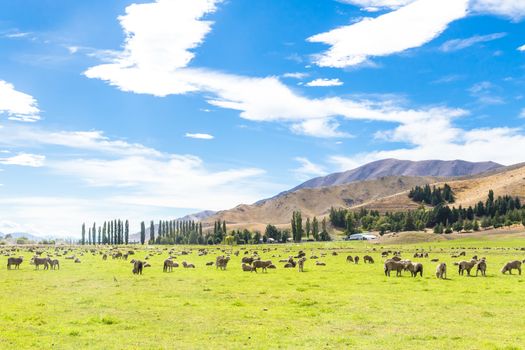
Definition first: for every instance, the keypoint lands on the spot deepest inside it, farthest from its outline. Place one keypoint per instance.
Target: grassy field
(102, 305)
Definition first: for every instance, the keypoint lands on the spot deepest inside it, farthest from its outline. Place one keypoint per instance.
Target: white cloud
(17, 105)
(459, 44)
(522, 113)
(325, 128)
(375, 5)
(199, 136)
(485, 93)
(521, 48)
(24, 159)
(514, 9)
(308, 169)
(325, 82)
(408, 27)
(296, 75)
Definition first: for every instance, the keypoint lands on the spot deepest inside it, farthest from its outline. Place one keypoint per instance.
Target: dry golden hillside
(469, 191)
(316, 201)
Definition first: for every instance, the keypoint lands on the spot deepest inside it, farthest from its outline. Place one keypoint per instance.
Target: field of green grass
(101, 305)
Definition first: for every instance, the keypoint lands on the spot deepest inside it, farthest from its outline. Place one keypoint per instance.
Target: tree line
(112, 232)
(432, 196)
(494, 212)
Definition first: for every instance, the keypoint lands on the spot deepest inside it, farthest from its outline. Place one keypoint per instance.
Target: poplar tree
(83, 233)
(142, 233)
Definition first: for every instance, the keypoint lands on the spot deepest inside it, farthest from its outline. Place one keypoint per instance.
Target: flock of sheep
(252, 262)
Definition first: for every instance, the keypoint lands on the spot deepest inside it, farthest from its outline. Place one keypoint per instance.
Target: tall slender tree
(83, 233)
(126, 232)
(142, 232)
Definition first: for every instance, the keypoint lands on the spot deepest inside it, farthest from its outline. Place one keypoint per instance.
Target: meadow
(101, 305)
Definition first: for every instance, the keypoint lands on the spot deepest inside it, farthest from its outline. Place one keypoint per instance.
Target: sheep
(349, 259)
(368, 259)
(481, 266)
(261, 264)
(415, 268)
(511, 265)
(320, 263)
(221, 262)
(441, 271)
(466, 266)
(356, 259)
(39, 261)
(188, 266)
(54, 263)
(391, 265)
(14, 261)
(301, 264)
(169, 265)
(248, 268)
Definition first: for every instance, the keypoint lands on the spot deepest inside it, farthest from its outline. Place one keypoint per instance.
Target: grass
(100, 305)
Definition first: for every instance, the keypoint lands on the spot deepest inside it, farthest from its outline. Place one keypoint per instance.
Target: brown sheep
(248, 268)
(137, 267)
(188, 266)
(259, 264)
(301, 264)
(441, 271)
(320, 263)
(14, 261)
(393, 265)
(221, 262)
(209, 263)
(105, 257)
(511, 265)
(396, 258)
(272, 266)
(368, 259)
(349, 259)
(466, 266)
(169, 265)
(247, 260)
(434, 260)
(415, 268)
(54, 263)
(356, 259)
(39, 261)
(481, 267)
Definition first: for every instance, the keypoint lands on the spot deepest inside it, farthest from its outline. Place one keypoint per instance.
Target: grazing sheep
(39, 261)
(248, 268)
(511, 265)
(54, 263)
(466, 266)
(259, 264)
(272, 266)
(415, 268)
(188, 266)
(247, 260)
(349, 259)
(396, 258)
(169, 265)
(481, 267)
(221, 262)
(289, 266)
(434, 260)
(320, 263)
(301, 264)
(137, 267)
(368, 259)
(14, 261)
(105, 257)
(441, 271)
(356, 259)
(393, 265)
(209, 263)
(77, 261)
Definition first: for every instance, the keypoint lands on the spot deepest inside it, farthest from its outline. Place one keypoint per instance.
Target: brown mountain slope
(469, 191)
(316, 201)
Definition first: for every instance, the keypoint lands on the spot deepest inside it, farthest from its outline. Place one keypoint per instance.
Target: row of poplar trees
(111, 232)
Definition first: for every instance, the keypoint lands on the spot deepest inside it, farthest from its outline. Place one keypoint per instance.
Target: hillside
(317, 201)
(469, 191)
(395, 167)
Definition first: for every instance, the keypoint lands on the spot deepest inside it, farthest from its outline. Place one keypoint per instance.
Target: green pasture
(101, 305)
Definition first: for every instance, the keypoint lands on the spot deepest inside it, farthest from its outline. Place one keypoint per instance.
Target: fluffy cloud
(460, 44)
(24, 159)
(514, 9)
(199, 136)
(17, 105)
(308, 169)
(408, 27)
(325, 82)
(521, 48)
(375, 5)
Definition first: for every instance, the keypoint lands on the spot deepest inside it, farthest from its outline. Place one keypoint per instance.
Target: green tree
(307, 228)
(83, 233)
(126, 232)
(315, 228)
(142, 233)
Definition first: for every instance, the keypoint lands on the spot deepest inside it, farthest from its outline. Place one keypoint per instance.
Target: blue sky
(155, 109)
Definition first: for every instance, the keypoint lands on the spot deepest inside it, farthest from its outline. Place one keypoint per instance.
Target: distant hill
(395, 167)
(316, 201)
(388, 193)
